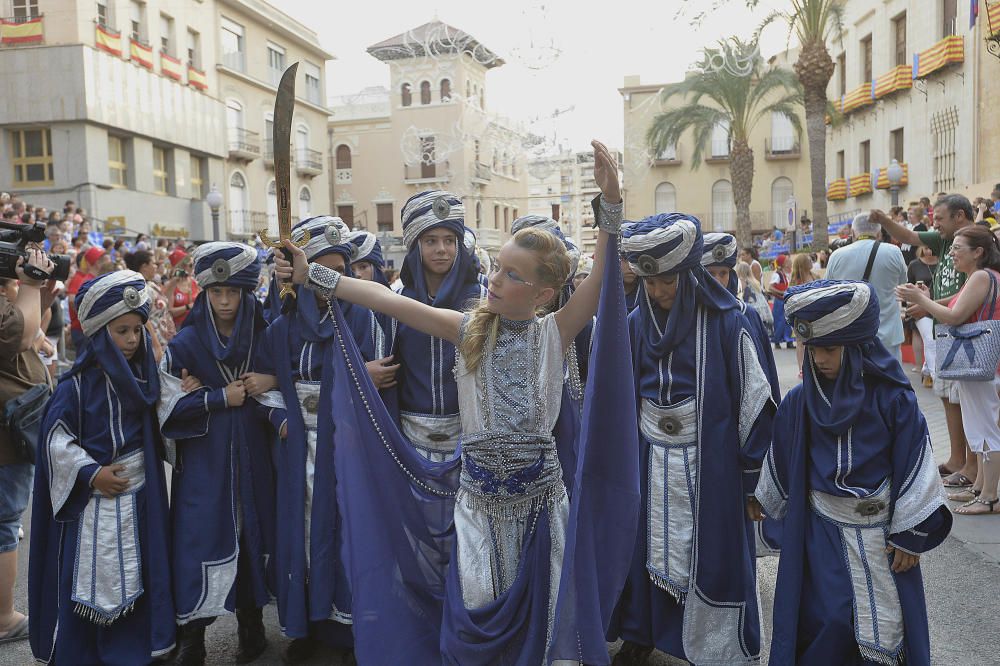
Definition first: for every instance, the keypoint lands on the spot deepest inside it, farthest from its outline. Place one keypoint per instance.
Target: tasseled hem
(509, 508)
(679, 594)
(881, 656)
(102, 617)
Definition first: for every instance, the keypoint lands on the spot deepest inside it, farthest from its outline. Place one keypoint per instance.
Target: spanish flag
(171, 67)
(21, 32)
(108, 40)
(141, 54)
(197, 79)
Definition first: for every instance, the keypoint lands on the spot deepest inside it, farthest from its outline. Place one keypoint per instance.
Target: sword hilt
(286, 287)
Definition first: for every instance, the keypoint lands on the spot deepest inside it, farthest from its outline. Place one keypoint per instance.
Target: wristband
(322, 280)
(608, 216)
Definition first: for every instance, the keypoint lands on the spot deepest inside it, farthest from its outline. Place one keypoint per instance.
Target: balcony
(415, 174)
(949, 51)
(882, 182)
(267, 153)
(480, 173)
(21, 30)
(860, 185)
(837, 190)
(308, 162)
(782, 148)
(244, 144)
(237, 60)
(897, 78)
(245, 223)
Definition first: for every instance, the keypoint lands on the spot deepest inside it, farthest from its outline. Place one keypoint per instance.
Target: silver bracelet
(608, 216)
(322, 280)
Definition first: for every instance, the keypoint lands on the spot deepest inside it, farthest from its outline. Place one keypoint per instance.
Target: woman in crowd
(182, 289)
(802, 273)
(976, 252)
(776, 290)
(160, 324)
(753, 295)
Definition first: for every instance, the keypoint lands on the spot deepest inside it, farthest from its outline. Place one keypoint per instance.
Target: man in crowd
(951, 213)
(881, 265)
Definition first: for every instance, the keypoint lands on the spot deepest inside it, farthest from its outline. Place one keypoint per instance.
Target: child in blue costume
(367, 264)
(99, 571)
(222, 517)
(705, 411)
(440, 272)
(852, 475)
(314, 597)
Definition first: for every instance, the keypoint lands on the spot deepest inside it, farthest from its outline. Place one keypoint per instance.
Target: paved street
(961, 577)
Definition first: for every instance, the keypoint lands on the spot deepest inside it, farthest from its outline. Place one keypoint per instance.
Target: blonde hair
(802, 265)
(746, 276)
(552, 271)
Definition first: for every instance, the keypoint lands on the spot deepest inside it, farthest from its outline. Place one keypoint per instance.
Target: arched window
(343, 156)
(239, 216)
(305, 203)
(506, 219)
(782, 190)
(425, 92)
(272, 206)
(445, 89)
(666, 198)
(405, 97)
(235, 123)
(479, 214)
(723, 208)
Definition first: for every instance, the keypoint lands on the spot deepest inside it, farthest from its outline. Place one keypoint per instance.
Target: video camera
(14, 239)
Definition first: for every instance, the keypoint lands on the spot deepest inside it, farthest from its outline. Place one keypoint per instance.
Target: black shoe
(190, 646)
(250, 630)
(777, 345)
(790, 345)
(299, 650)
(632, 654)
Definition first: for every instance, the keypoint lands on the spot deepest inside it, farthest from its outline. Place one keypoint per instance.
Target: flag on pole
(973, 13)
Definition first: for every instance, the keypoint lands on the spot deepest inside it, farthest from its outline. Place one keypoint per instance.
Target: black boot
(299, 650)
(190, 646)
(632, 654)
(250, 630)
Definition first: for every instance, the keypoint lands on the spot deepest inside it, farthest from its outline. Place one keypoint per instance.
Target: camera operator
(20, 370)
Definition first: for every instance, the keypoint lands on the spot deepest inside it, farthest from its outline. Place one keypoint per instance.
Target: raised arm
(582, 305)
(436, 322)
(895, 229)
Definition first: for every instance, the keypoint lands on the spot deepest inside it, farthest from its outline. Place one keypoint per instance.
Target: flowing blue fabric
(223, 480)
(400, 530)
(106, 403)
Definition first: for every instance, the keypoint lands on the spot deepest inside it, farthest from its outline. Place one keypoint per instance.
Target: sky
(562, 56)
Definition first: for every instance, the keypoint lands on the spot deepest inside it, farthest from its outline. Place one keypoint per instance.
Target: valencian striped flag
(21, 31)
(861, 184)
(883, 177)
(948, 51)
(837, 190)
(108, 40)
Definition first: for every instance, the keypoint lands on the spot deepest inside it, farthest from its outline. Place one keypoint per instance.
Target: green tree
(731, 85)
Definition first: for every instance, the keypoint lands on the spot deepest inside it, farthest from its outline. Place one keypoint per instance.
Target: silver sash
(435, 437)
(672, 433)
(863, 524)
(107, 575)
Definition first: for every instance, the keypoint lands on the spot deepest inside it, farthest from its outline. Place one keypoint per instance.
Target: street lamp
(214, 201)
(895, 175)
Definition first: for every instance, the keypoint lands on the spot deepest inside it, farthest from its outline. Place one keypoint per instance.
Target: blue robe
(694, 594)
(101, 415)
(222, 516)
(312, 583)
(886, 455)
(401, 532)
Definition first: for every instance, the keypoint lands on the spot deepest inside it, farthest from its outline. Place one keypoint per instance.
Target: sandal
(989, 504)
(18, 633)
(957, 480)
(964, 495)
(944, 471)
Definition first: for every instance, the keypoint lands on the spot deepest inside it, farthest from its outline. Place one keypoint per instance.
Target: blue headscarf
(327, 235)
(227, 264)
(833, 313)
(721, 250)
(98, 303)
(422, 212)
(550, 225)
(664, 245)
(367, 248)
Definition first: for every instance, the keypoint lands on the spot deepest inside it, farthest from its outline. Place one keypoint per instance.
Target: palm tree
(740, 92)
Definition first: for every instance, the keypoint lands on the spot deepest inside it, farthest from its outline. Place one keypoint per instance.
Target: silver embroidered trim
(838, 319)
(772, 497)
(323, 280)
(722, 246)
(236, 263)
(681, 418)
(684, 229)
(754, 386)
(92, 324)
(432, 435)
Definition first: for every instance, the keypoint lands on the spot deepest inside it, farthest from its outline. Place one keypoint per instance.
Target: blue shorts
(15, 490)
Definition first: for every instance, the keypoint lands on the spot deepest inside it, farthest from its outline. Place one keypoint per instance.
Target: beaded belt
(509, 475)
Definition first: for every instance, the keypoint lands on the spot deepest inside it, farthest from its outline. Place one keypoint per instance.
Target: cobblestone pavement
(961, 581)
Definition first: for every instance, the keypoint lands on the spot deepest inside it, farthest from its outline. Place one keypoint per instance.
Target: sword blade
(284, 105)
